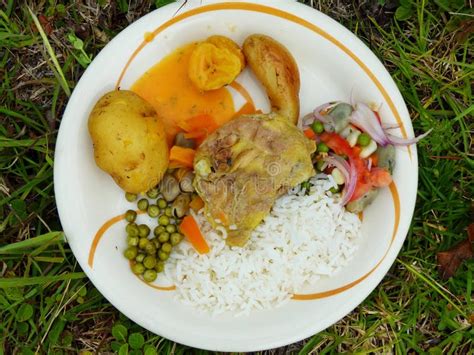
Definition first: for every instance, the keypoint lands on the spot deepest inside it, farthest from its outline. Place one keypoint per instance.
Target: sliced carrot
(182, 157)
(201, 123)
(190, 229)
(246, 109)
(196, 203)
(356, 149)
(375, 159)
(308, 132)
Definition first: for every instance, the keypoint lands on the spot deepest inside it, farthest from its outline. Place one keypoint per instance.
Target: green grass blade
(61, 78)
(32, 243)
(433, 284)
(38, 280)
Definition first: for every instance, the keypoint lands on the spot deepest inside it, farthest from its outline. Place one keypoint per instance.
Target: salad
(355, 148)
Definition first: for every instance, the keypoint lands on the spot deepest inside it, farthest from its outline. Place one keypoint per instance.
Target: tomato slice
(380, 177)
(309, 133)
(338, 144)
(366, 180)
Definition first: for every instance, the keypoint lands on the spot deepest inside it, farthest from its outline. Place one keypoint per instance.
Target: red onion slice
(388, 126)
(369, 164)
(307, 120)
(364, 118)
(337, 162)
(317, 113)
(350, 186)
(406, 141)
(348, 171)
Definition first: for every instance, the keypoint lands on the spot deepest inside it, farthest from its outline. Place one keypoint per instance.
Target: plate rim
(288, 6)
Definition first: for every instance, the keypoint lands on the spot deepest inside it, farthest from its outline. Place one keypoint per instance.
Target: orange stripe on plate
(161, 288)
(242, 91)
(101, 232)
(278, 13)
(318, 295)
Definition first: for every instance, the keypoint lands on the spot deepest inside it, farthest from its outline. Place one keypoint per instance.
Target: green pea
(130, 253)
(160, 266)
(166, 247)
(143, 231)
(317, 127)
(153, 211)
(168, 212)
(150, 249)
(158, 230)
(132, 229)
(156, 243)
(163, 256)
(142, 204)
(140, 257)
(132, 241)
(153, 193)
(176, 238)
(163, 220)
(142, 243)
(130, 197)
(162, 203)
(171, 228)
(149, 262)
(334, 189)
(130, 216)
(138, 269)
(305, 185)
(163, 237)
(149, 275)
(364, 139)
(323, 148)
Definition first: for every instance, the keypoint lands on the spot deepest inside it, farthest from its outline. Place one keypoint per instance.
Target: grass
(47, 305)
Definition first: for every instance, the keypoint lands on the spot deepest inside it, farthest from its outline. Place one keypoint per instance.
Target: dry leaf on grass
(46, 24)
(449, 260)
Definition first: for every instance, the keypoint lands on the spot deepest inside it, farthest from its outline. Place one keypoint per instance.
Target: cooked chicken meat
(245, 165)
(276, 69)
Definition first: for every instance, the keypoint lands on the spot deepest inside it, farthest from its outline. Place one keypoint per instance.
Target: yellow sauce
(167, 87)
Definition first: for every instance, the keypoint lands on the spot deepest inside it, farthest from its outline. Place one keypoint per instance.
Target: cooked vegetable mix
(148, 255)
(354, 149)
(190, 229)
(346, 142)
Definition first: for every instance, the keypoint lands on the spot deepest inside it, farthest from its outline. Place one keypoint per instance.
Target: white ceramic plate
(332, 62)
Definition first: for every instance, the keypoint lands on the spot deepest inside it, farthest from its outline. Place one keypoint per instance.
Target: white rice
(304, 238)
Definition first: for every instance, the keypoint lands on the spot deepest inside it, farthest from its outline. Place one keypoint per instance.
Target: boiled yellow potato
(129, 140)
